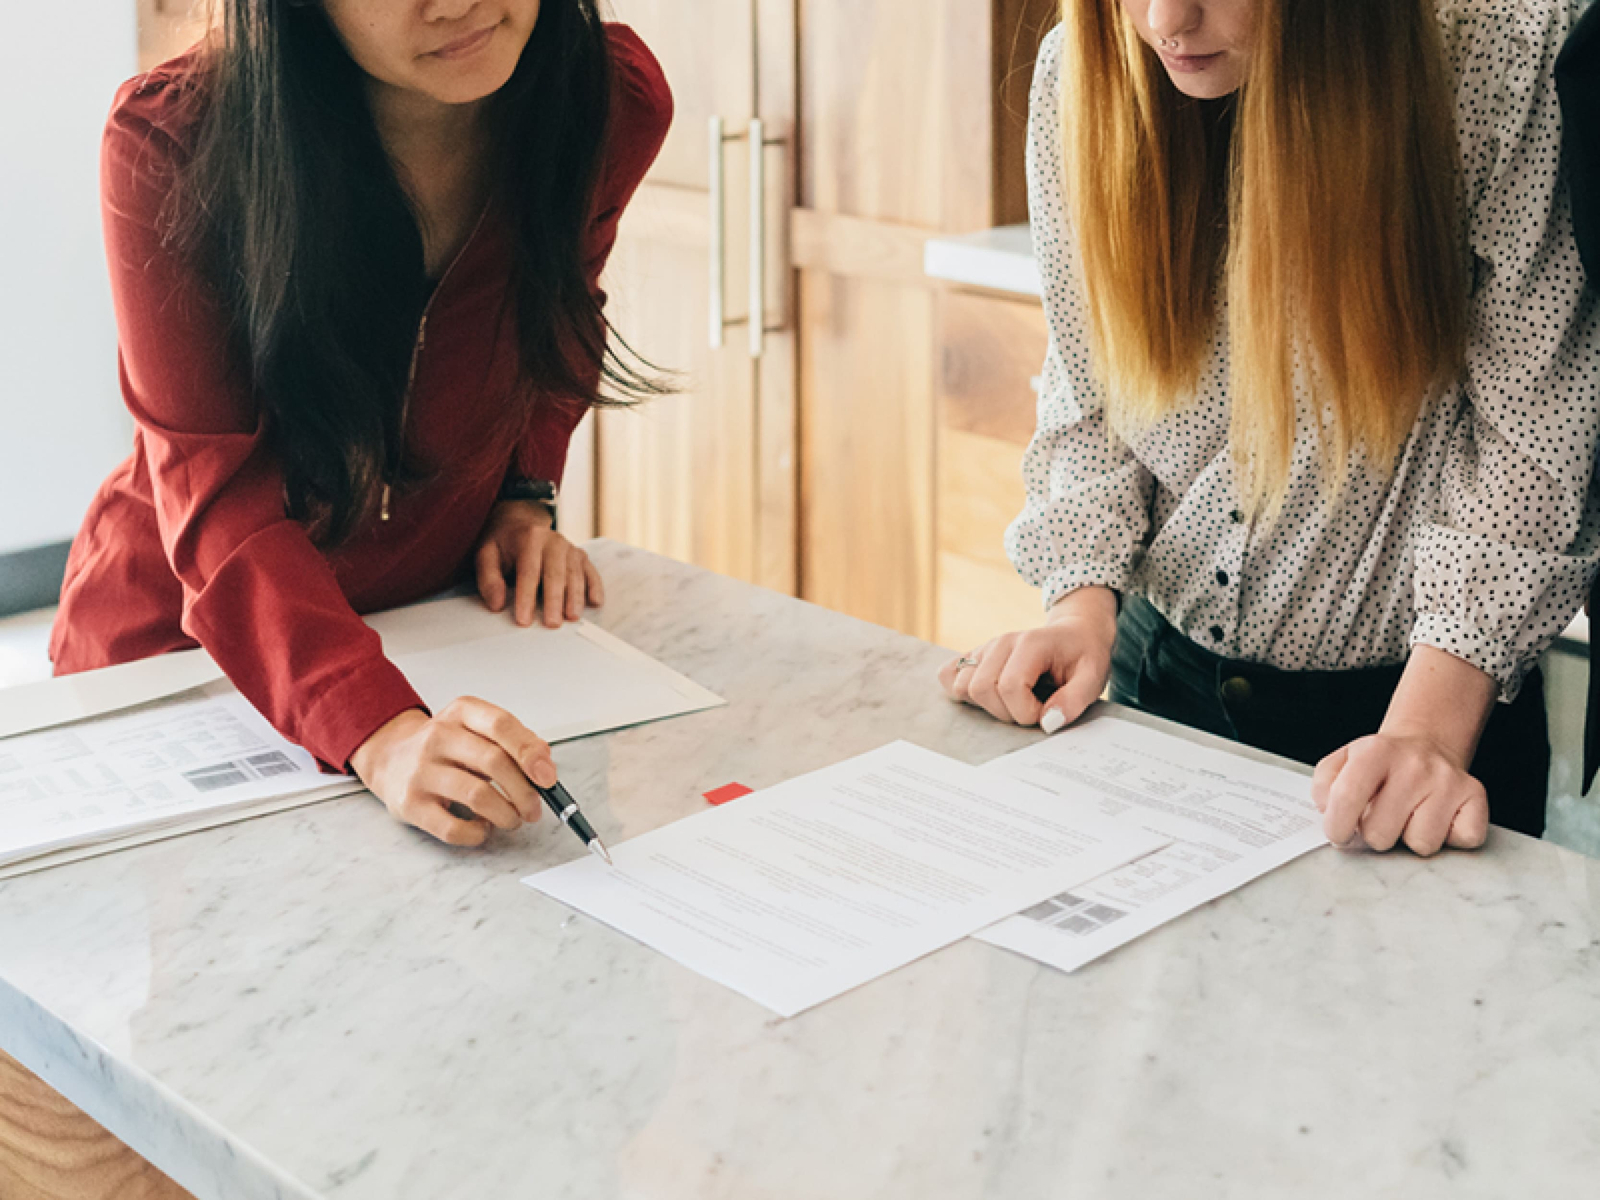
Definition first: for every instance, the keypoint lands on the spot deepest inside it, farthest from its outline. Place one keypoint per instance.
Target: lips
(463, 46)
(1190, 63)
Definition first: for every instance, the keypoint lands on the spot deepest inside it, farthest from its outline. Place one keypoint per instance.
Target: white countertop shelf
(998, 259)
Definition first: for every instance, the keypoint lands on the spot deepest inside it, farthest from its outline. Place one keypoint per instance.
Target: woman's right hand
(473, 755)
(1073, 650)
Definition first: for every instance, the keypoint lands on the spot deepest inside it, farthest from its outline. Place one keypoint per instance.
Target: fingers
(1358, 781)
(530, 568)
(491, 577)
(433, 817)
(1028, 663)
(554, 575)
(956, 675)
(1429, 826)
(1391, 809)
(452, 785)
(1327, 771)
(983, 686)
(596, 585)
(577, 585)
(488, 760)
(1470, 828)
(1391, 790)
(530, 752)
(1073, 698)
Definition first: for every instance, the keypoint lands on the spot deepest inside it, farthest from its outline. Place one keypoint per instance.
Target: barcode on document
(233, 774)
(1074, 914)
(268, 765)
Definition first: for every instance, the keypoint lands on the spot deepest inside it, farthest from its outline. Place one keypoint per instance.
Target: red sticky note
(732, 791)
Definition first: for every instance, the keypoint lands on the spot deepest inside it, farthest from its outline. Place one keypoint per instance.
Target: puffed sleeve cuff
(1075, 576)
(1496, 606)
(1455, 637)
(352, 708)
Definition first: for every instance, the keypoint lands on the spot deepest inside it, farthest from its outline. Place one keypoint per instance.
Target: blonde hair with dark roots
(1324, 195)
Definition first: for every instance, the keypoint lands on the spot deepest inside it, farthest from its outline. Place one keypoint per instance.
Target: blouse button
(1236, 517)
(1222, 578)
(1216, 633)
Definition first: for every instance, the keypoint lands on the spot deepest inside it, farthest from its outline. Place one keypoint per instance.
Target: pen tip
(599, 848)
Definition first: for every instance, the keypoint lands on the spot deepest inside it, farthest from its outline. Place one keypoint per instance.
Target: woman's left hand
(549, 573)
(1391, 788)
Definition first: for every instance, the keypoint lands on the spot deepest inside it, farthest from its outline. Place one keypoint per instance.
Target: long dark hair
(294, 212)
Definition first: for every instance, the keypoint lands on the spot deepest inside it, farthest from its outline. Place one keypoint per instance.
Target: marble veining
(325, 1004)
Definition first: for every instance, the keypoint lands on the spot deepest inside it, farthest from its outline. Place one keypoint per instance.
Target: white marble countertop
(325, 1004)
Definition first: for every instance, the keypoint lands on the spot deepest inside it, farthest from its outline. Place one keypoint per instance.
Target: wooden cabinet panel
(677, 473)
(904, 132)
(708, 475)
(866, 396)
(990, 350)
(49, 1150)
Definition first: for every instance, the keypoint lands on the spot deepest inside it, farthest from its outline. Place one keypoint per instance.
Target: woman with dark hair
(354, 251)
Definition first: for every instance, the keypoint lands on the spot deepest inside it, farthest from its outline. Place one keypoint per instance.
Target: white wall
(62, 424)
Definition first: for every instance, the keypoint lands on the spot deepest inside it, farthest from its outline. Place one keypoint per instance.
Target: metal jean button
(1236, 690)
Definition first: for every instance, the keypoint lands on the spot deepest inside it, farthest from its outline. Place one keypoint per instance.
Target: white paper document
(145, 769)
(115, 758)
(798, 893)
(561, 683)
(1229, 820)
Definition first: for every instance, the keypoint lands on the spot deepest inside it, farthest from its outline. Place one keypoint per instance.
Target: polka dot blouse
(1484, 539)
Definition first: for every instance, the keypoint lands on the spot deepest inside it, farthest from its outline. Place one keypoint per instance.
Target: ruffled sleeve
(1507, 561)
(1087, 514)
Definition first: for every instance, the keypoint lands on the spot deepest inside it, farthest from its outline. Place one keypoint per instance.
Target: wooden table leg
(49, 1150)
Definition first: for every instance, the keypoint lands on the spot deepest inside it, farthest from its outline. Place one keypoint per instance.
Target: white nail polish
(1053, 722)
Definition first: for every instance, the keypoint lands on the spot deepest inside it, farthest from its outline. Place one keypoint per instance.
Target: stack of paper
(799, 893)
(1229, 819)
(178, 764)
(97, 762)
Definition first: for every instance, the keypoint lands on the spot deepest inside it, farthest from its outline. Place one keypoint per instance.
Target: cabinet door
(707, 475)
(991, 353)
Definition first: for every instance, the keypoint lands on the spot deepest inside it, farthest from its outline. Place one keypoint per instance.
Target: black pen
(566, 808)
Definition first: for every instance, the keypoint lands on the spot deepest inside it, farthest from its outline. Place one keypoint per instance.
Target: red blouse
(188, 541)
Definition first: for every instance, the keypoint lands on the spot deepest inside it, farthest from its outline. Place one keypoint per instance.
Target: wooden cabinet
(907, 129)
(991, 349)
(822, 467)
(708, 475)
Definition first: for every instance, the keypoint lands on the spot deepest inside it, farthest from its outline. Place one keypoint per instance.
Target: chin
(1202, 87)
(469, 85)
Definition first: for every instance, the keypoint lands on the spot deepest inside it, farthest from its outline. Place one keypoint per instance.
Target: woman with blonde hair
(1319, 417)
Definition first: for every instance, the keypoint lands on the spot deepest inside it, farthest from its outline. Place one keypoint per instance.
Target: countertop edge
(155, 1122)
(999, 259)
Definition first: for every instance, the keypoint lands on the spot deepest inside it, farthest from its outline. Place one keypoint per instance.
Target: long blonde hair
(1326, 192)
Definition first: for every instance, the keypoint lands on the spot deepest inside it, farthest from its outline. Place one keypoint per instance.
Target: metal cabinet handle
(758, 238)
(718, 321)
(719, 236)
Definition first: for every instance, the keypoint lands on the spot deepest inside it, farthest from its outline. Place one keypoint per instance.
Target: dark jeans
(1307, 715)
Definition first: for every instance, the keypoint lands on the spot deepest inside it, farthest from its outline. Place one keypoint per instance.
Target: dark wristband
(539, 491)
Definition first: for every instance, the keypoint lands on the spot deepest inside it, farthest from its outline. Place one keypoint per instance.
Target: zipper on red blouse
(384, 507)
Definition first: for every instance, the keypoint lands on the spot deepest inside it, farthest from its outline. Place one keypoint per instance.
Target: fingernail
(1054, 721)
